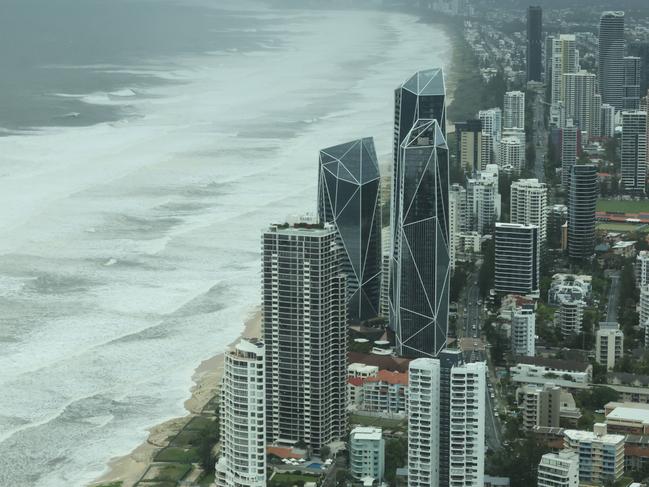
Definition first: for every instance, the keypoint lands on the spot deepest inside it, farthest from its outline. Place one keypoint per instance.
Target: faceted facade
(349, 198)
(421, 256)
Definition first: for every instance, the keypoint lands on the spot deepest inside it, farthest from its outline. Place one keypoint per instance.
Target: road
(613, 297)
(472, 329)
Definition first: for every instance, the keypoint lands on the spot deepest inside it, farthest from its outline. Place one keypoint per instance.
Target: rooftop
(367, 433)
(635, 414)
(557, 364)
(383, 362)
(589, 436)
(426, 82)
(390, 377)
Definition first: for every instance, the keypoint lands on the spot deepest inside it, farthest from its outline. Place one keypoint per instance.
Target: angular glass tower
(420, 267)
(349, 198)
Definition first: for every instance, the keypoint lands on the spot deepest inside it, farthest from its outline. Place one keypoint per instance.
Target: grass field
(623, 227)
(623, 206)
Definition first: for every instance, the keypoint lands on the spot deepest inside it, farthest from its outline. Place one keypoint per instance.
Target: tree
(396, 454)
(205, 445)
(325, 451)
(518, 461)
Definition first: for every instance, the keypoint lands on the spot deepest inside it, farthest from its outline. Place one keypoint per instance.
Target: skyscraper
(469, 144)
(517, 259)
(570, 151)
(607, 121)
(580, 101)
(514, 110)
(448, 359)
(641, 50)
(421, 255)
(634, 152)
(483, 202)
(582, 202)
(243, 426)
(631, 88)
(492, 122)
(534, 43)
(565, 59)
(305, 334)
(349, 198)
(529, 205)
(511, 155)
(457, 217)
(611, 58)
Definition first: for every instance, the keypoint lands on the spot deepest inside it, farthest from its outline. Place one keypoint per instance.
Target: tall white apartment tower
(423, 422)
(642, 268)
(559, 470)
(492, 122)
(514, 110)
(529, 205)
(634, 152)
(523, 331)
(580, 102)
(243, 424)
(305, 334)
(607, 121)
(570, 150)
(467, 425)
(565, 59)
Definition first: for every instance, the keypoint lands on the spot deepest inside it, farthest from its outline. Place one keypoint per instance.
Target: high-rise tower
(634, 152)
(611, 58)
(243, 425)
(349, 198)
(534, 43)
(305, 334)
(420, 268)
(582, 202)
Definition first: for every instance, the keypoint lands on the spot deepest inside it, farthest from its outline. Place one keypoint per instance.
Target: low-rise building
(627, 418)
(367, 454)
(559, 470)
(563, 373)
(601, 454)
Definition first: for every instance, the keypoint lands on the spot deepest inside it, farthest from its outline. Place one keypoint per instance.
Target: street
(472, 330)
(613, 297)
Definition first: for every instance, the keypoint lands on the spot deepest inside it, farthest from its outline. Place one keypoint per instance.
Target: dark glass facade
(582, 202)
(534, 43)
(611, 58)
(420, 266)
(349, 198)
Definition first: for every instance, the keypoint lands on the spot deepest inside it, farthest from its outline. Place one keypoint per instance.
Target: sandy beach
(207, 379)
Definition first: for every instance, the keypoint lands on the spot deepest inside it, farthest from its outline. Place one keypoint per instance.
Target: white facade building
(483, 201)
(642, 268)
(644, 307)
(514, 110)
(565, 59)
(559, 470)
(570, 148)
(581, 104)
(467, 425)
(523, 331)
(529, 205)
(367, 453)
(609, 344)
(423, 422)
(570, 316)
(457, 217)
(601, 455)
(512, 155)
(607, 121)
(492, 122)
(243, 418)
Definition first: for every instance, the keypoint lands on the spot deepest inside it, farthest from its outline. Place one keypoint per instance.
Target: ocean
(144, 147)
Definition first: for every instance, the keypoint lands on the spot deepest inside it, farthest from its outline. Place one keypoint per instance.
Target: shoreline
(130, 468)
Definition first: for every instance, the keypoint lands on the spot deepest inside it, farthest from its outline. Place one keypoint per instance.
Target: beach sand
(207, 378)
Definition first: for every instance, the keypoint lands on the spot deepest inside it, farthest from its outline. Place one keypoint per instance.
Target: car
(492, 395)
(496, 415)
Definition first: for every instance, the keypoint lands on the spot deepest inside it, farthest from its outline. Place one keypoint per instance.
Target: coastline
(130, 468)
